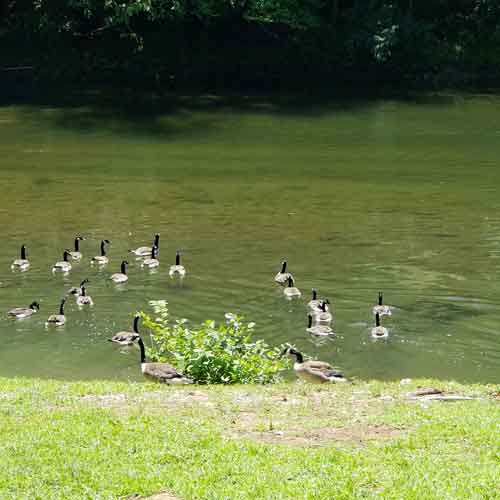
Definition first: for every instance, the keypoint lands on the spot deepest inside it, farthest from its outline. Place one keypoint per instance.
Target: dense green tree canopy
(253, 42)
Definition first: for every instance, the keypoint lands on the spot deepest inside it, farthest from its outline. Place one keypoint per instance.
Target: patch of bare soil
(352, 435)
(156, 496)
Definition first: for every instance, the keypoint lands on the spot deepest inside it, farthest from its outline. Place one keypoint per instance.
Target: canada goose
(83, 299)
(380, 308)
(282, 277)
(127, 338)
(121, 277)
(378, 331)
(63, 265)
(161, 372)
(24, 312)
(314, 302)
(151, 261)
(318, 330)
(101, 259)
(177, 269)
(21, 264)
(146, 251)
(322, 314)
(76, 254)
(313, 371)
(57, 319)
(291, 291)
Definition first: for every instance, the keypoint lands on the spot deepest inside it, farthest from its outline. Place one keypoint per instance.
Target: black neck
(177, 259)
(290, 282)
(136, 323)
(298, 355)
(65, 256)
(377, 320)
(156, 242)
(322, 306)
(83, 291)
(310, 321)
(61, 308)
(380, 299)
(23, 252)
(143, 351)
(103, 251)
(124, 268)
(77, 245)
(153, 252)
(283, 267)
(315, 294)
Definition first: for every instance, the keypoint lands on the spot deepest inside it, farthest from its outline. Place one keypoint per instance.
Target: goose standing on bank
(378, 331)
(103, 258)
(76, 254)
(21, 264)
(282, 277)
(177, 269)
(152, 261)
(161, 372)
(318, 330)
(24, 312)
(126, 337)
(322, 314)
(380, 308)
(63, 265)
(291, 290)
(121, 277)
(83, 299)
(146, 251)
(57, 319)
(314, 371)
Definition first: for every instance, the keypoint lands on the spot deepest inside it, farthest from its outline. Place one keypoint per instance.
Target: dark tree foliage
(253, 43)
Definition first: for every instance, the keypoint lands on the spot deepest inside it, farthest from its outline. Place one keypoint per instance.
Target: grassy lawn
(365, 440)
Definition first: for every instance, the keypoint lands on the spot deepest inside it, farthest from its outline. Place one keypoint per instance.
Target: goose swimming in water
(152, 261)
(313, 304)
(146, 251)
(76, 254)
(380, 308)
(291, 291)
(121, 277)
(314, 371)
(24, 312)
(21, 264)
(57, 319)
(378, 331)
(83, 299)
(322, 314)
(63, 265)
(177, 269)
(126, 337)
(161, 372)
(282, 277)
(103, 258)
(318, 330)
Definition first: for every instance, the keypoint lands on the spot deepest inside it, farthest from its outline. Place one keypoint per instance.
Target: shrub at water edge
(213, 353)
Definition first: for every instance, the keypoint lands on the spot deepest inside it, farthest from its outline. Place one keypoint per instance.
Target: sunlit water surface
(395, 195)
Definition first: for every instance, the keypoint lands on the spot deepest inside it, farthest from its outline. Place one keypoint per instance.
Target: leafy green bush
(213, 353)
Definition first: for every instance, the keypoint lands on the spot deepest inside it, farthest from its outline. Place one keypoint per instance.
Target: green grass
(366, 440)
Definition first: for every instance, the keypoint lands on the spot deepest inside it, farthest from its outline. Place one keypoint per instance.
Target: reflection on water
(393, 196)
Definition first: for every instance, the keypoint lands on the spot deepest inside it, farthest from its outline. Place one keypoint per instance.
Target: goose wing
(164, 373)
(318, 365)
(124, 337)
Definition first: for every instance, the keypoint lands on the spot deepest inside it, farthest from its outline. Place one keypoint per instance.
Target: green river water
(394, 195)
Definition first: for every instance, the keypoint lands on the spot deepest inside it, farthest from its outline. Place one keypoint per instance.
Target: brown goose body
(161, 372)
(317, 372)
(126, 337)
